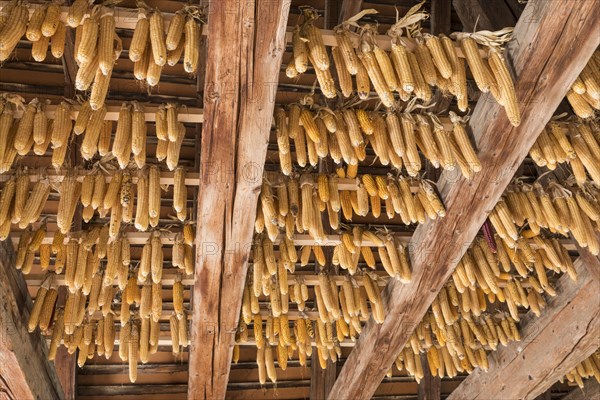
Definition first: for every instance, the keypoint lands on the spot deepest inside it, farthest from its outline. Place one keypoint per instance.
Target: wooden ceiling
(223, 156)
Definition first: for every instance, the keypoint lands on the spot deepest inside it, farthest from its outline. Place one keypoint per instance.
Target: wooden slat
(66, 368)
(321, 380)
(242, 66)
(564, 40)
(349, 9)
(567, 332)
(430, 386)
(24, 367)
(441, 14)
(130, 390)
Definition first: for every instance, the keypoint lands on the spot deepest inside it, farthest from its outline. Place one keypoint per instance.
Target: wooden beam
(108, 369)
(242, 69)
(569, 326)
(430, 386)
(591, 391)
(485, 14)
(137, 390)
(441, 16)
(349, 9)
(65, 363)
(24, 367)
(321, 380)
(564, 39)
(66, 369)
(68, 61)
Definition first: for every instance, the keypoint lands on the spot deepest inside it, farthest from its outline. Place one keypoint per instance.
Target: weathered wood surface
(547, 54)
(321, 380)
(567, 332)
(66, 369)
(349, 9)
(478, 15)
(24, 368)
(430, 386)
(441, 16)
(247, 41)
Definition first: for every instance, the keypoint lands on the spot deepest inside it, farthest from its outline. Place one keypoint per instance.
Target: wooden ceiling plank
(477, 14)
(349, 9)
(564, 41)
(430, 386)
(321, 380)
(567, 332)
(441, 16)
(24, 366)
(238, 111)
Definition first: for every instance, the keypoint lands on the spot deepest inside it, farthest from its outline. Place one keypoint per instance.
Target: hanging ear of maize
(34, 28)
(89, 38)
(157, 38)
(506, 86)
(140, 38)
(190, 52)
(13, 30)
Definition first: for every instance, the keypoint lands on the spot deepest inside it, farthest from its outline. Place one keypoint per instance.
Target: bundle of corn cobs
(91, 190)
(585, 369)
(395, 138)
(43, 29)
(151, 48)
(92, 262)
(584, 95)
(561, 211)
(296, 205)
(97, 45)
(417, 61)
(574, 142)
(35, 130)
(512, 267)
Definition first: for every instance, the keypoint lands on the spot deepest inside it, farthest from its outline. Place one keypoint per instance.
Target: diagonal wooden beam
(547, 54)
(567, 332)
(25, 372)
(245, 46)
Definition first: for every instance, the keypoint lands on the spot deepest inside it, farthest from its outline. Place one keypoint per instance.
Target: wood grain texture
(485, 13)
(349, 9)
(247, 41)
(430, 386)
(24, 368)
(567, 332)
(66, 369)
(546, 54)
(321, 380)
(441, 16)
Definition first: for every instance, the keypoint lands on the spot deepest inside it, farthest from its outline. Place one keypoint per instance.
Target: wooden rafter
(24, 368)
(564, 40)
(478, 15)
(567, 332)
(247, 41)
